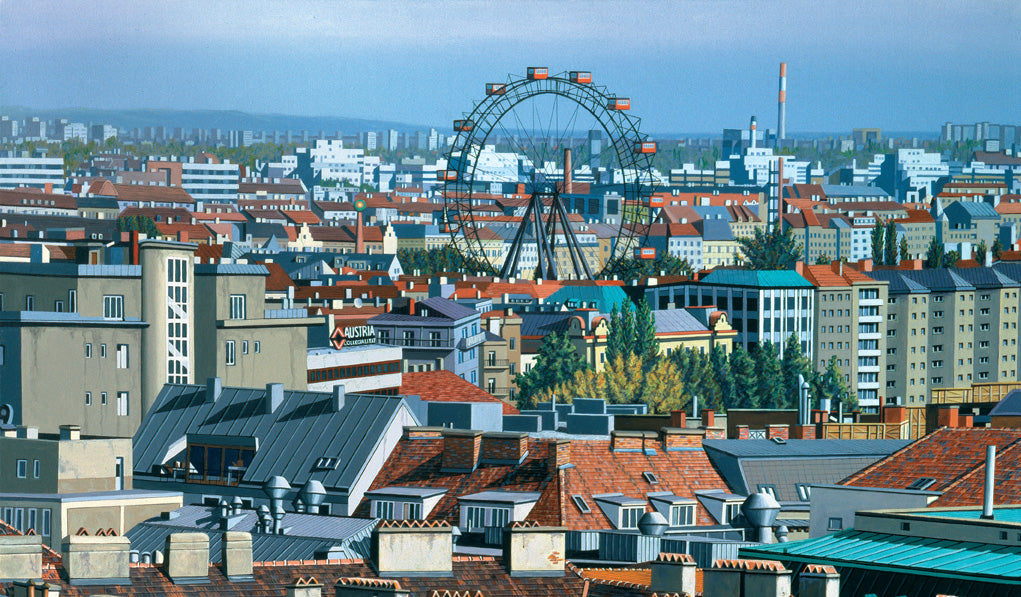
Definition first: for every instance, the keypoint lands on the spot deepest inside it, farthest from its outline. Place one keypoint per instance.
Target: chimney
(762, 578)
(679, 419)
(560, 452)
(304, 587)
(781, 116)
(339, 398)
(21, 557)
(947, 416)
(461, 450)
(70, 433)
(274, 397)
(533, 550)
(94, 560)
(895, 415)
(236, 556)
(708, 418)
(677, 439)
(673, 573)
(186, 558)
(504, 447)
(742, 432)
(410, 548)
(778, 432)
(987, 496)
(214, 386)
(568, 186)
(817, 580)
(411, 306)
(378, 587)
(751, 133)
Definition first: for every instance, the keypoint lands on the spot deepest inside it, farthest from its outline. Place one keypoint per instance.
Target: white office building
(18, 169)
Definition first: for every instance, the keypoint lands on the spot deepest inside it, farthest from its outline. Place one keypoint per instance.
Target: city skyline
(708, 66)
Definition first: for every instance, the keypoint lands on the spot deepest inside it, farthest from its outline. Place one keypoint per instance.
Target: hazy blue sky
(688, 66)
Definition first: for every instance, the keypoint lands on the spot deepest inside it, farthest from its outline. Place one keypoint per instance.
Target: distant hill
(206, 119)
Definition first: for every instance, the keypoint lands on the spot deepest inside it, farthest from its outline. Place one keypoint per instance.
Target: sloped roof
(446, 386)
(159, 194)
(538, 325)
(672, 321)
(972, 209)
(448, 308)
(986, 277)
(759, 279)
(944, 455)
(898, 282)
(604, 297)
(303, 428)
(939, 280)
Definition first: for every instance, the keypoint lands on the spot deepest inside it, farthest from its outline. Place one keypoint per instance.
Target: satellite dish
(358, 303)
(6, 414)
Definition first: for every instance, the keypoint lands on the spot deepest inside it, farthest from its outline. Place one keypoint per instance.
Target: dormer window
(682, 515)
(732, 512)
(629, 517)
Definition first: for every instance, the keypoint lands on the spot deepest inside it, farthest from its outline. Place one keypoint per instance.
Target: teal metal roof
(898, 553)
(1012, 515)
(581, 297)
(763, 279)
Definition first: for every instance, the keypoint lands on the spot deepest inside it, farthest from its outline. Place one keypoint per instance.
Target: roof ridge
(881, 462)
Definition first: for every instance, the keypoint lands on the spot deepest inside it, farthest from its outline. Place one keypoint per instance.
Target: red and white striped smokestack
(751, 133)
(568, 186)
(781, 117)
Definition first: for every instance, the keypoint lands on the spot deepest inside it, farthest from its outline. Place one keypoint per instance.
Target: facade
(850, 326)
(437, 333)
(19, 169)
(360, 369)
(763, 306)
(501, 353)
(57, 485)
(203, 177)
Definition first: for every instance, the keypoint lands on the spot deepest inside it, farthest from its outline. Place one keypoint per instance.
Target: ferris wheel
(564, 156)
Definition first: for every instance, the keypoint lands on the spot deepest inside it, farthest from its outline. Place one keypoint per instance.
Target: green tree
(624, 380)
(951, 258)
(890, 243)
(832, 385)
(980, 251)
(878, 233)
(905, 251)
(614, 339)
(743, 372)
(627, 328)
(645, 344)
(769, 381)
(934, 254)
(721, 373)
(555, 365)
(770, 250)
(141, 224)
(794, 364)
(629, 268)
(997, 249)
(823, 259)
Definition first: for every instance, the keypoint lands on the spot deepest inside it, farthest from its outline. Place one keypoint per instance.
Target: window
(409, 338)
(922, 483)
(231, 352)
(629, 517)
(384, 509)
(29, 303)
(72, 301)
(102, 398)
(244, 347)
(804, 492)
(3, 352)
(237, 306)
(413, 511)
(434, 339)
(650, 477)
(512, 343)
(582, 505)
(835, 524)
(36, 469)
(258, 347)
(22, 469)
(58, 306)
(177, 357)
(501, 517)
(122, 356)
(33, 518)
(113, 307)
(102, 351)
(731, 512)
(88, 398)
(682, 515)
(122, 404)
(45, 530)
(476, 518)
(88, 350)
(769, 490)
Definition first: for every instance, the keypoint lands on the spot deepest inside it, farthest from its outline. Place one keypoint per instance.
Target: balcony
(495, 363)
(415, 342)
(876, 302)
(472, 341)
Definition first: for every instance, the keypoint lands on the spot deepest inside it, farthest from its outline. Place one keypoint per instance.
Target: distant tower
(781, 109)
(751, 134)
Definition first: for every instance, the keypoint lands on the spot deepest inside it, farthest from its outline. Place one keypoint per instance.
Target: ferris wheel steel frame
(622, 130)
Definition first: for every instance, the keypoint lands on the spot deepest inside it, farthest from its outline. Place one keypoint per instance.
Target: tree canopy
(555, 365)
(141, 224)
(429, 262)
(629, 268)
(771, 249)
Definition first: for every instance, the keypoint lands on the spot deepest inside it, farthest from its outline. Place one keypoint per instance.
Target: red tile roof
(445, 386)
(146, 193)
(278, 280)
(301, 217)
(946, 455)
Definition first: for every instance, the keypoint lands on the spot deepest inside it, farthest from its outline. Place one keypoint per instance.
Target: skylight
(922, 483)
(581, 503)
(651, 477)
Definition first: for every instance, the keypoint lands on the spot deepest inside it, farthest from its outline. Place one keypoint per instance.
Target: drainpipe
(987, 497)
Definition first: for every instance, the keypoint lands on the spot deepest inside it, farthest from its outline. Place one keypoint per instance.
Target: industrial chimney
(751, 134)
(781, 116)
(568, 187)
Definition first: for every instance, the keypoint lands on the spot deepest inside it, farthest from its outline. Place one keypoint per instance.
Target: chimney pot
(187, 558)
(70, 432)
(214, 386)
(236, 556)
(97, 559)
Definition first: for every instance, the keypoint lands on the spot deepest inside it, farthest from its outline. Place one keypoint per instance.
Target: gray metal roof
(986, 277)
(677, 320)
(898, 283)
(836, 190)
(422, 492)
(448, 308)
(236, 269)
(513, 497)
(972, 210)
(715, 230)
(1010, 405)
(939, 280)
(309, 536)
(764, 448)
(542, 324)
(72, 270)
(303, 429)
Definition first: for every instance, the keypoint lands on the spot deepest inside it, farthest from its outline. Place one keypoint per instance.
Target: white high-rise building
(21, 170)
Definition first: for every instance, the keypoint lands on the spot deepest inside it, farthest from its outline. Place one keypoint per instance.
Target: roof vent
(778, 440)
(274, 396)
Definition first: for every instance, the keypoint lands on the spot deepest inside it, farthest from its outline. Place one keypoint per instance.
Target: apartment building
(850, 324)
(204, 177)
(21, 169)
(501, 353)
(147, 316)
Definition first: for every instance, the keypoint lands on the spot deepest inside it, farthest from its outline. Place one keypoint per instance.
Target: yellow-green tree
(625, 381)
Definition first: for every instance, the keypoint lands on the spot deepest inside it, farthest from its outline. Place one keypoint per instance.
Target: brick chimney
(371, 587)
(708, 418)
(675, 439)
(461, 450)
(778, 432)
(762, 578)
(409, 548)
(678, 418)
(504, 447)
(947, 416)
(627, 441)
(533, 550)
(742, 432)
(91, 560)
(560, 453)
(895, 414)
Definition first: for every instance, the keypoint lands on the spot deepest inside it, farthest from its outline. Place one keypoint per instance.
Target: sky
(688, 66)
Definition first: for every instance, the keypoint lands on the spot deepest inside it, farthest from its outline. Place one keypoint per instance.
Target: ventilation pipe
(987, 496)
